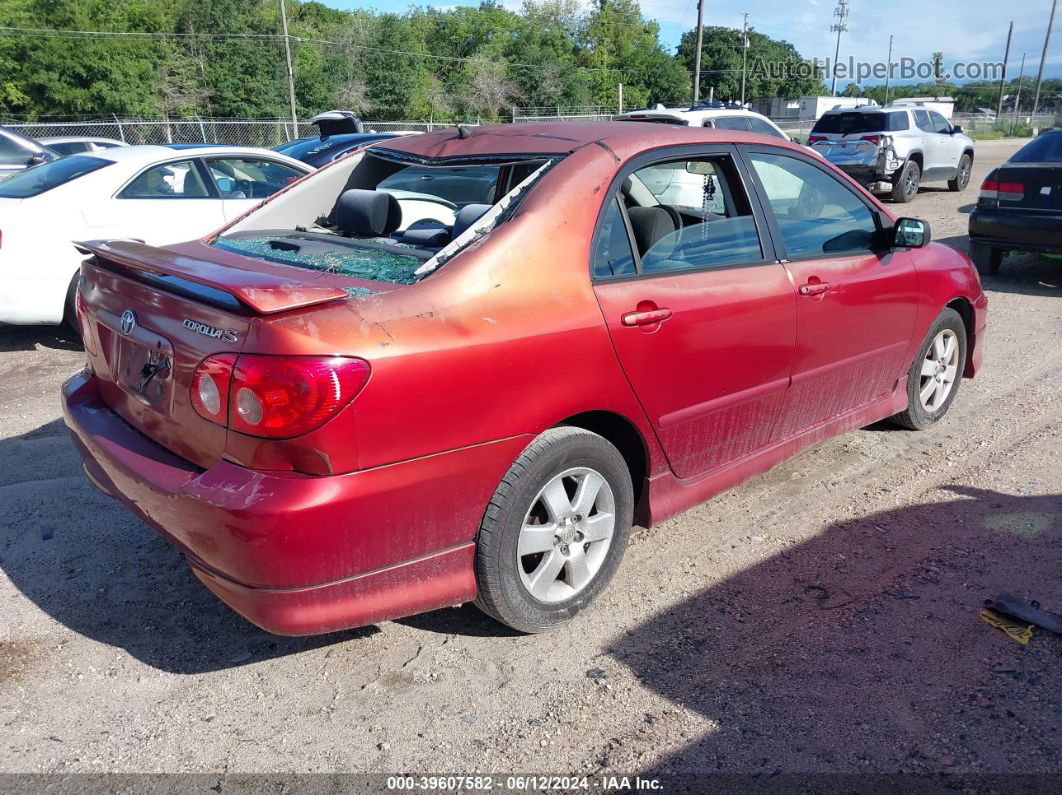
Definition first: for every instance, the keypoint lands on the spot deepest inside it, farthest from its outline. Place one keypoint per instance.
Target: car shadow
(861, 649)
(28, 338)
(89, 564)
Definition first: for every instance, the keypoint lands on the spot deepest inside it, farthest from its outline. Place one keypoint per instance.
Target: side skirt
(669, 495)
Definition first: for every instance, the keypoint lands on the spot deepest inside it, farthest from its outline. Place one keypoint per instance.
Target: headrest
(370, 213)
(427, 232)
(653, 226)
(467, 216)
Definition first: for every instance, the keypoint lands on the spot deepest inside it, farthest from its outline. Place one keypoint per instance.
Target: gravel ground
(821, 618)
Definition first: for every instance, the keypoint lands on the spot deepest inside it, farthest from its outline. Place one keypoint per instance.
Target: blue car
(341, 132)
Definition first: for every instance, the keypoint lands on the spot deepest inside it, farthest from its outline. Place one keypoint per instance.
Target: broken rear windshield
(359, 259)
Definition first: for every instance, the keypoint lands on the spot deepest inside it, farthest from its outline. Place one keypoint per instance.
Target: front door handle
(645, 318)
(814, 288)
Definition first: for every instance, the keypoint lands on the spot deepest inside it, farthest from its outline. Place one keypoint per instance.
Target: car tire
(905, 184)
(935, 374)
(535, 579)
(962, 176)
(988, 259)
(70, 306)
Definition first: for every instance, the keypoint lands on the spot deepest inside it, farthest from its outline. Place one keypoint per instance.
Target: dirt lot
(823, 617)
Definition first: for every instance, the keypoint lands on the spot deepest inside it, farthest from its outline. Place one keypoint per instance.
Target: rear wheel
(934, 377)
(962, 176)
(988, 259)
(905, 184)
(70, 306)
(555, 530)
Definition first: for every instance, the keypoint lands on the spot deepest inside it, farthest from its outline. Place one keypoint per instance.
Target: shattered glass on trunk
(360, 263)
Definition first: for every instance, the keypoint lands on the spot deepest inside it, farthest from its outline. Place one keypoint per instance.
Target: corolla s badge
(226, 334)
(128, 321)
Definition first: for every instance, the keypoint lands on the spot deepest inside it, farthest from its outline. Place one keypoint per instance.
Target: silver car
(895, 148)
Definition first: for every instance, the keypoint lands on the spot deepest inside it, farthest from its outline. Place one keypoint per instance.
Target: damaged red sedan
(459, 366)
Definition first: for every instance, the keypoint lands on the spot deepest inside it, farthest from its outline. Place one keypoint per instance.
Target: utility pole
(619, 86)
(697, 55)
(1017, 98)
(1003, 79)
(841, 12)
(888, 73)
(1043, 57)
(744, 53)
(291, 74)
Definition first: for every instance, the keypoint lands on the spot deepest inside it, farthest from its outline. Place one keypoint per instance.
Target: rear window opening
(848, 123)
(380, 218)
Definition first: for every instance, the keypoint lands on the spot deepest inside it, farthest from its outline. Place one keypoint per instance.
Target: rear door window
(733, 123)
(180, 180)
(762, 127)
(923, 121)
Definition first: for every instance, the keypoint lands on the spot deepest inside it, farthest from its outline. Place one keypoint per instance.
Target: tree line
(225, 58)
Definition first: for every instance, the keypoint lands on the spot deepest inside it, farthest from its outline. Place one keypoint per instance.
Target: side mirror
(956, 130)
(910, 233)
(37, 159)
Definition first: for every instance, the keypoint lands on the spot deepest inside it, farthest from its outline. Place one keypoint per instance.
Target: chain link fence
(241, 132)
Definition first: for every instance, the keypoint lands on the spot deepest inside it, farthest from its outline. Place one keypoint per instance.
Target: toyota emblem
(128, 321)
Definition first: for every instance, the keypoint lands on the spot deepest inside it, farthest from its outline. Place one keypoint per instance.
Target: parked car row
(460, 365)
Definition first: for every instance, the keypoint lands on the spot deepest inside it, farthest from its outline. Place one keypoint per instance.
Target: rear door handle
(646, 318)
(817, 288)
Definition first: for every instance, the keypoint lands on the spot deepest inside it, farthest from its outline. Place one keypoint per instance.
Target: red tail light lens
(994, 191)
(276, 397)
(814, 139)
(874, 139)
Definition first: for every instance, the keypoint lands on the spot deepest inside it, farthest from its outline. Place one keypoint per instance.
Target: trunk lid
(151, 316)
(1042, 184)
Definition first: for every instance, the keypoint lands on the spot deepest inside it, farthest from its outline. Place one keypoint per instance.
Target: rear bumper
(1016, 230)
(301, 555)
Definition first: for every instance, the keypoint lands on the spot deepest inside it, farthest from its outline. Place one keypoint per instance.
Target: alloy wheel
(940, 369)
(566, 534)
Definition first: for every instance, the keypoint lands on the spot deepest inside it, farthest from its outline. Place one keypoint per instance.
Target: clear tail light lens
(276, 397)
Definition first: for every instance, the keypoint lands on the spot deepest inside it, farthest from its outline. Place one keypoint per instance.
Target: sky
(967, 30)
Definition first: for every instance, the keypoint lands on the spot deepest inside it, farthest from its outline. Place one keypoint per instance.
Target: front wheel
(905, 184)
(555, 530)
(934, 377)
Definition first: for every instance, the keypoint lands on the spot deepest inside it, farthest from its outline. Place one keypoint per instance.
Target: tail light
(993, 192)
(874, 139)
(814, 139)
(275, 397)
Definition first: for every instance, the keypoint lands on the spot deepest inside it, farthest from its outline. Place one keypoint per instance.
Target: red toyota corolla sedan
(458, 366)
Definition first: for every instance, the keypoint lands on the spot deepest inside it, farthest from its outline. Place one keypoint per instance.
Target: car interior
(388, 218)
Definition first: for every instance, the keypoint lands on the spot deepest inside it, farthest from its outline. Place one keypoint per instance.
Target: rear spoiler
(265, 293)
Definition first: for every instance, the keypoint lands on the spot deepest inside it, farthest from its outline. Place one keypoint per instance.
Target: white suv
(895, 148)
(721, 116)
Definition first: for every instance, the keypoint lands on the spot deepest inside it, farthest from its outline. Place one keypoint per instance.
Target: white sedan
(158, 194)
